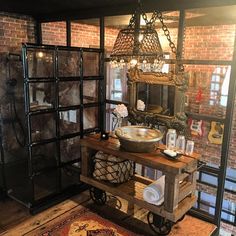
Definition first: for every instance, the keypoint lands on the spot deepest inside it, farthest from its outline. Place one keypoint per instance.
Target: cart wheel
(159, 224)
(98, 196)
(181, 218)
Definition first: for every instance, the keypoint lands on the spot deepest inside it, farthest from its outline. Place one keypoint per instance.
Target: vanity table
(180, 177)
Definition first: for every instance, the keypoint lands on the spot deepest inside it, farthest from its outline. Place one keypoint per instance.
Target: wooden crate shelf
(132, 192)
(180, 177)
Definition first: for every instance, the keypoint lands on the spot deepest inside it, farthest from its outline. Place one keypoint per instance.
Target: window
(116, 83)
(219, 86)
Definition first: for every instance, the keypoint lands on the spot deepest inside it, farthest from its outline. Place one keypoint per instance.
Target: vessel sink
(135, 138)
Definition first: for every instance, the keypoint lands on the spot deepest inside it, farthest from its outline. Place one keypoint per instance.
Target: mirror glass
(156, 98)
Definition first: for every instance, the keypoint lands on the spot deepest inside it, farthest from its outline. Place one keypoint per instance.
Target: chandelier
(139, 45)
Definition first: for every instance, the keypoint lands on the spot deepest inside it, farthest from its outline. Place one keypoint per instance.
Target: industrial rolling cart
(180, 181)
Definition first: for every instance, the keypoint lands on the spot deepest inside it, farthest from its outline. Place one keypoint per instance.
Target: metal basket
(113, 169)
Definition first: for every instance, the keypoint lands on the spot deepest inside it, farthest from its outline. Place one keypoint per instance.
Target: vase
(116, 122)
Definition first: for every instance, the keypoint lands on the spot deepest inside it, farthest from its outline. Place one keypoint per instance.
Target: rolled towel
(154, 193)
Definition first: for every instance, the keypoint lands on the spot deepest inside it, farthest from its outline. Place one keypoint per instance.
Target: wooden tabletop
(155, 160)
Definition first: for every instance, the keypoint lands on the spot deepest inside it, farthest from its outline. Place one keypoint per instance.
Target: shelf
(155, 160)
(132, 191)
(205, 117)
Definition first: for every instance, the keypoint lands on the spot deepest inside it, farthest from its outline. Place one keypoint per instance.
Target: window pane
(91, 64)
(42, 95)
(69, 93)
(202, 84)
(43, 126)
(68, 63)
(69, 149)
(116, 83)
(90, 118)
(69, 122)
(90, 91)
(40, 63)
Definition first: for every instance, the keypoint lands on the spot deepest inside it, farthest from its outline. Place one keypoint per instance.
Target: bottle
(171, 139)
(180, 144)
(189, 148)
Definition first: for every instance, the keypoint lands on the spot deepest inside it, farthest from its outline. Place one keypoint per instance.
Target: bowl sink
(135, 138)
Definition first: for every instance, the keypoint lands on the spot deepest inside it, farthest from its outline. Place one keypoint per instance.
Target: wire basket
(112, 169)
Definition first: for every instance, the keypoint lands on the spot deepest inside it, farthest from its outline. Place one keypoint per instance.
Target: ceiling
(194, 17)
(46, 10)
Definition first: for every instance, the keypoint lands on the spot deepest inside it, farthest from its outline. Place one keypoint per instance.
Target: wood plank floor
(15, 219)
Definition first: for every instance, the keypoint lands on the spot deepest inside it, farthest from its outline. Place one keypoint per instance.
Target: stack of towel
(154, 193)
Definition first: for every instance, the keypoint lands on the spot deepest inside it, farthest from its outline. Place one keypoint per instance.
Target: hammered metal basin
(138, 138)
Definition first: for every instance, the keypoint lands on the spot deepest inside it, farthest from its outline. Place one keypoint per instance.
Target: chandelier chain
(158, 15)
(166, 32)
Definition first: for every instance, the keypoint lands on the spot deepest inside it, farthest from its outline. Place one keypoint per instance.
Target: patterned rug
(80, 222)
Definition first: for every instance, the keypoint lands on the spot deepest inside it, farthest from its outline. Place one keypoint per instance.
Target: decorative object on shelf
(154, 193)
(199, 95)
(170, 153)
(196, 127)
(139, 45)
(138, 138)
(111, 168)
(171, 139)
(189, 147)
(105, 135)
(119, 113)
(180, 144)
(140, 105)
(215, 135)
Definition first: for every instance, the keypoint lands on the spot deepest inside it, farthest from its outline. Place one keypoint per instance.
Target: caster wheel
(159, 224)
(98, 196)
(181, 219)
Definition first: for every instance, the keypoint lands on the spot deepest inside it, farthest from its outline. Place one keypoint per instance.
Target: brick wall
(54, 33)
(15, 30)
(209, 42)
(84, 35)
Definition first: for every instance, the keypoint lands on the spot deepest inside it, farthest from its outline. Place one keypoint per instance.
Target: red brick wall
(84, 35)
(54, 33)
(209, 42)
(110, 38)
(15, 30)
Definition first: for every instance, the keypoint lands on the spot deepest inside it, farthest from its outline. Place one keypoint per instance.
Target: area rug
(80, 222)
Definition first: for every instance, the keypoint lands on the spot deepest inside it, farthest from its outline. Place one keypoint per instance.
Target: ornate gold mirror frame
(179, 81)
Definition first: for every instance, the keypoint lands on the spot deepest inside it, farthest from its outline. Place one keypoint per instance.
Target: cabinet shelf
(132, 191)
(205, 117)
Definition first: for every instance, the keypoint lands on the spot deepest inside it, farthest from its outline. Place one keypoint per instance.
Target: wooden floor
(15, 219)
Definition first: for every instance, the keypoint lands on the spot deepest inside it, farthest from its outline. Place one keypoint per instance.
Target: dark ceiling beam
(148, 6)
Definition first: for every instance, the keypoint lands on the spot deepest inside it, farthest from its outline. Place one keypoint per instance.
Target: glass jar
(171, 139)
(189, 148)
(180, 144)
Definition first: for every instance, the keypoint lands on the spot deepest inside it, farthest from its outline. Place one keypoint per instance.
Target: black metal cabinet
(62, 102)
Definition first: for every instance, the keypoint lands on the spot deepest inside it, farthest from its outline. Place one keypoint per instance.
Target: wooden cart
(180, 181)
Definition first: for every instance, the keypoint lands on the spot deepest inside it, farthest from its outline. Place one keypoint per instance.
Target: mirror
(157, 98)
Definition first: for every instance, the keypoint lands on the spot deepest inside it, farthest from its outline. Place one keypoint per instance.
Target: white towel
(154, 193)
